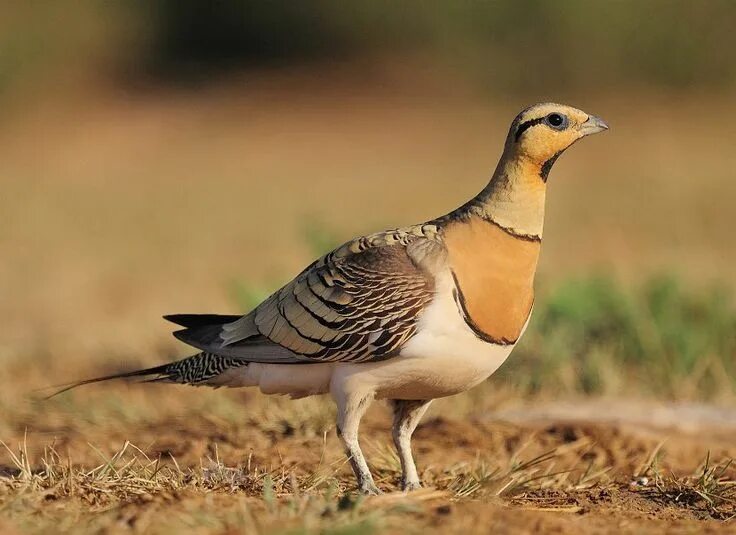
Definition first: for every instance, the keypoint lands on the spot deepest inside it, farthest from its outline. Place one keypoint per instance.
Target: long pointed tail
(195, 370)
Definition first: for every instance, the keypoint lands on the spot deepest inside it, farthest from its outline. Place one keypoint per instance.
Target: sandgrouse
(408, 315)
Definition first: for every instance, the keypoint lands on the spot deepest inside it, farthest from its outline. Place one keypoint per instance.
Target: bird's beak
(593, 125)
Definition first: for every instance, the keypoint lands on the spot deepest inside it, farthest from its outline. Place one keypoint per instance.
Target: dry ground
(237, 461)
(116, 209)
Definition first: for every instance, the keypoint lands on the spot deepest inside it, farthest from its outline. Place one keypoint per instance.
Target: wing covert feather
(361, 302)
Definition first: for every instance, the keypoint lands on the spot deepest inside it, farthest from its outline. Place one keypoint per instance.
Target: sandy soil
(612, 467)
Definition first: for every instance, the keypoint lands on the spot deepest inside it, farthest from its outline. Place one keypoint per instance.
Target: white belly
(295, 380)
(444, 358)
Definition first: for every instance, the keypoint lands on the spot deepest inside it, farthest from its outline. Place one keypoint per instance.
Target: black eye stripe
(523, 127)
(556, 121)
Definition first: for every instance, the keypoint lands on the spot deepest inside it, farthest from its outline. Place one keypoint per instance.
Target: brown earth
(585, 475)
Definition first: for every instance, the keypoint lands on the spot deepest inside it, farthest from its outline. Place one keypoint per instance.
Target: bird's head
(542, 132)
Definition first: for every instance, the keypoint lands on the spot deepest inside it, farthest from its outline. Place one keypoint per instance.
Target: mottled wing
(359, 303)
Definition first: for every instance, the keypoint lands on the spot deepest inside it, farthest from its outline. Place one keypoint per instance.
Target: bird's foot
(408, 486)
(369, 488)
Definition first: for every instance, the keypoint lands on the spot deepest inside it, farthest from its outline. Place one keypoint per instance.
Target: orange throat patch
(494, 275)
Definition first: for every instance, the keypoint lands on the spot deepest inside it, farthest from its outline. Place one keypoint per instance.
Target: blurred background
(182, 156)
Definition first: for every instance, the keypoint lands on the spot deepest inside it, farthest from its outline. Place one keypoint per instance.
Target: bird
(406, 315)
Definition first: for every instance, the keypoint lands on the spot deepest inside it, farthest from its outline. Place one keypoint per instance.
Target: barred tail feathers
(198, 370)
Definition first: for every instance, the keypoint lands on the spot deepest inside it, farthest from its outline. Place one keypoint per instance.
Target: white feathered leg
(406, 418)
(348, 421)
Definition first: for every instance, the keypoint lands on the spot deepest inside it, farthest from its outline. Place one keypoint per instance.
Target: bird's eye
(556, 121)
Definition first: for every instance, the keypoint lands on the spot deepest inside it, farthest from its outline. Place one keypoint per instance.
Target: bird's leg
(348, 421)
(407, 414)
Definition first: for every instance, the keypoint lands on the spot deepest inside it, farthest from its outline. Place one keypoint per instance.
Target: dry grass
(163, 459)
(709, 491)
(129, 488)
